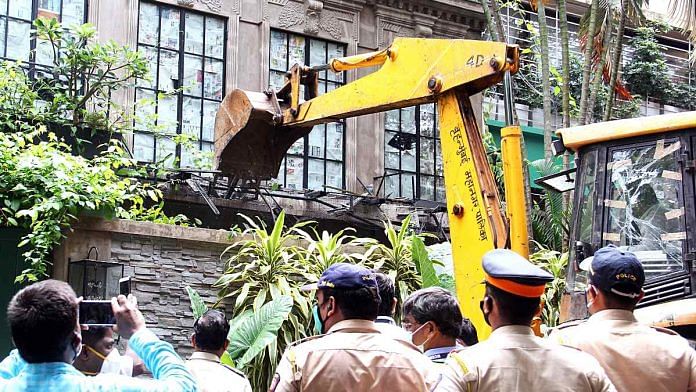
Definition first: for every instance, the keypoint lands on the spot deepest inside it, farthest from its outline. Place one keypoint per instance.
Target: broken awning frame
(561, 182)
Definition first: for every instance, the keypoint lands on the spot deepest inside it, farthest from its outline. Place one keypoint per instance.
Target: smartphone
(124, 285)
(97, 313)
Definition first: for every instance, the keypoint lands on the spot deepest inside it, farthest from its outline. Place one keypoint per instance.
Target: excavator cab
(634, 188)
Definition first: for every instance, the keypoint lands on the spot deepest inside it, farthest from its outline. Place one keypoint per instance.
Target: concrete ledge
(150, 229)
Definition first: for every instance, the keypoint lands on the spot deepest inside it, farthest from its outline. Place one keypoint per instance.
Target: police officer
(209, 341)
(352, 355)
(635, 357)
(513, 358)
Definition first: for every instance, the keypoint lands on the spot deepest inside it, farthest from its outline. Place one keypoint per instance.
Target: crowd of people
(360, 347)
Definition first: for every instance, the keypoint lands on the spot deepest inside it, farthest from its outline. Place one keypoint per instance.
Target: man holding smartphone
(44, 325)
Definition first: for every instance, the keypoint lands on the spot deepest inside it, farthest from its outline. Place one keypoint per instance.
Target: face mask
(421, 346)
(76, 352)
(318, 322)
(113, 363)
(587, 301)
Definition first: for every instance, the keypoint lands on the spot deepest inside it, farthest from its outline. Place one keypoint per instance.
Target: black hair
(514, 309)
(93, 335)
(361, 304)
(467, 333)
(211, 330)
(43, 318)
(615, 301)
(437, 305)
(385, 284)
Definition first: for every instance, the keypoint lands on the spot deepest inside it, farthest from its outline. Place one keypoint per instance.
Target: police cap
(344, 276)
(512, 273)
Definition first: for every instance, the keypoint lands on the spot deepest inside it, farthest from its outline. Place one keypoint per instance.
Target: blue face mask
(318, 323)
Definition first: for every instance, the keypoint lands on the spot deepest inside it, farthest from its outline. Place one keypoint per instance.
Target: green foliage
(423, 264)
(264, 265)
(251, 332)
(555, 263)
(550, 220)
(647, 74)
(44, 188)
(257, 330)
(326, 249)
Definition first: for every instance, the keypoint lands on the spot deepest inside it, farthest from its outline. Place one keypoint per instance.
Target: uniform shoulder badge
(665, 330)
(569, 324)
(233, 370)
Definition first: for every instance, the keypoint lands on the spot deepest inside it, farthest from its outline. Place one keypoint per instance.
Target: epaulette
(307, 339)
(568, 324)
(233, 370)
(664, 330)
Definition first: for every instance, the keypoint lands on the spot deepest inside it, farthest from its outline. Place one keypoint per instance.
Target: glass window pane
(193, 37)
(3, 39)
(44, 52)
(3, 7)
(408, 120)
(391, 185)
(49, 5)
(334, 141)
(391, 154)
(213, 79)
(294, 172)
(407, 181)
(427, 120)
(277, 80)
(144, 109)
(645, 206)
(280, 178)
(391, 120)
(332, 86)
(427, 188)
(438, 158)
(166, 151)
(144, 147)
(191, 117)
(73, 12)
(408, 159)
(193, 75)
(214, 37)
(189, 153)
(316, 142)
(315, 174)
(170, 28)
(440, 190)
(279, 51)
(334, 174)
(427, 156)
(209, 113)
(336, 50)
(168, 70)
(204, 157)
(20, 9)
(296, 50)
(18, 40)
(317, 52)
(150, 56)
(167, 113)
(297, 148)
(148, 27)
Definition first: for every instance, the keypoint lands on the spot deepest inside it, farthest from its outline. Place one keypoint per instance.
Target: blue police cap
(344, 276)
(616, 271)
(514, 274)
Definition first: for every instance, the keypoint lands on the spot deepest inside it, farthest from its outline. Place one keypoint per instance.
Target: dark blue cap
(616, 271)
(513, 273)
(344, 276)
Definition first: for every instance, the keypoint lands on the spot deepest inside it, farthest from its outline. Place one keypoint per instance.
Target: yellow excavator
(254, 130)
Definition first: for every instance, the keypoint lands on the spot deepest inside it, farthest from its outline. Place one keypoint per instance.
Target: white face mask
(114, 363)
(588, 303)
(421, 347)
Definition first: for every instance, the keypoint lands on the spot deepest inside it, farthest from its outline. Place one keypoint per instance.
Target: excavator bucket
(248, 144)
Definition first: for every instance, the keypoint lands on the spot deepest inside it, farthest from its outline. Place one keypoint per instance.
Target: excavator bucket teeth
(248, 144)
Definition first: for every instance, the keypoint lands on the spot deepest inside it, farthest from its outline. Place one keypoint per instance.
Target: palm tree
(587, 67)
(683, 15)
(602, 52)
(545, 77)
(565, 63)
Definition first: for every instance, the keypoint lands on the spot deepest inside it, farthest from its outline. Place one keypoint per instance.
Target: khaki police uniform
(354, 357)
(514, 359)
(213, 376)
(636, 357)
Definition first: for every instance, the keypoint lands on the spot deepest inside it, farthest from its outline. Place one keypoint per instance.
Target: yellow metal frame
(513, 173)
(575, 138)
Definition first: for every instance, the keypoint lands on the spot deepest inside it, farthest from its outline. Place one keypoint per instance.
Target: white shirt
(213, 376)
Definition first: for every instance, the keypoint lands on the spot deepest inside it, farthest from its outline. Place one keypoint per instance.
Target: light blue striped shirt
(168, 369)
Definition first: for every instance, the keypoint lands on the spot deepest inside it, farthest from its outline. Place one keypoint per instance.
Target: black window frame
(437, 157)
(305, 156)
(182, 94)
